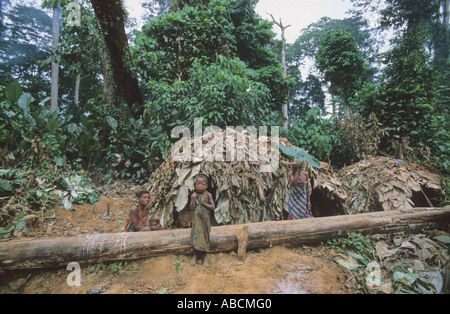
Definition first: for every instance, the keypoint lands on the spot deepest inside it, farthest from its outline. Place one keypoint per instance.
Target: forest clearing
(196, 119)
(300, 263)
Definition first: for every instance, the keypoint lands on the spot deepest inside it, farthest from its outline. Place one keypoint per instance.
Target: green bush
(314, 134)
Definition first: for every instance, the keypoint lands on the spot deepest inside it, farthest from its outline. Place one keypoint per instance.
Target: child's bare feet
(205, 261)
(194, 260)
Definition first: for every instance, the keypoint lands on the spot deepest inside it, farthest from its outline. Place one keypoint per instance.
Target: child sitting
(137, 219)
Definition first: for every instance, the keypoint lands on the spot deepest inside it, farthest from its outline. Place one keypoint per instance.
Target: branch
(280, 25)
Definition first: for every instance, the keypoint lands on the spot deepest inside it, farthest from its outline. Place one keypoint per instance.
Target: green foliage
(112, 268)
(312, 36)
(135, 149)
(170, 46)
(222, 93)
(11, 180)
(310, 95)
(80, 191)
(314, 134)
(300, 154)
(440, 146)
(10, 221)
(25, 130)
(225, 93)
(406, 98)
(15, 183)
(211, 62)
(409, 92)
(410, 97)
(178, 267)
(355, 241)
(37, 147)
(413, 12)
(341, 64)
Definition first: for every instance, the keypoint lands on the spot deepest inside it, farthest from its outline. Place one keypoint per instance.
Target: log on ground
(112, 247)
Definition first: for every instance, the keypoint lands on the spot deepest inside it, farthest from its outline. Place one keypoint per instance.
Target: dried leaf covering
(243, 193)
(382, 184)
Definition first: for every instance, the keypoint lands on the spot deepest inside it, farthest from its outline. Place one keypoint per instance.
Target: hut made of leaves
(383, 183)
(243, 192)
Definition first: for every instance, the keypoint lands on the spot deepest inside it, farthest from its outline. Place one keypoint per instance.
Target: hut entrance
(426, 197)
(183, 219)
(322, 205)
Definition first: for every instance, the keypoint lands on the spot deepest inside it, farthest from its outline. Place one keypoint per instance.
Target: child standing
(299, 201)
(202, 203)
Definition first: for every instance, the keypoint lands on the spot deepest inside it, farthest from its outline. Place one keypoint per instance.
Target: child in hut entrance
(299, 199)
(202, 203)
(137, 219)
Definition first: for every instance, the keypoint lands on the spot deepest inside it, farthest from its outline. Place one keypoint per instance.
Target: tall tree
(342, 65)
(283, 63)
(304, 50)
(123, 85)
(440, 28)
(55, 64)
(410, 81)
(169, 44)
(255, 44)
(80, 50)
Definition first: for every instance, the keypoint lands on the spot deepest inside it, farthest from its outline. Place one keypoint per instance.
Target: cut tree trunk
(55, 252)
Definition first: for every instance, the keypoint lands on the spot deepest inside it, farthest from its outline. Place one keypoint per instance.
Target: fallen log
(53, 252)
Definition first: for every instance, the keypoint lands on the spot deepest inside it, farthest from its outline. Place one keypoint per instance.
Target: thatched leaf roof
(242, 191)
(383, 183)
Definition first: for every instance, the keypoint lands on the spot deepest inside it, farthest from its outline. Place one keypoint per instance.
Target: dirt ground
(276, 270)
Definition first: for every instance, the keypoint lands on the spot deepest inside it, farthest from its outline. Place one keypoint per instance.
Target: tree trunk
(108, 89)
(123, 86)
(283, 62)
(53, 252)
(77, 90)
(55, 66)
(446, 14)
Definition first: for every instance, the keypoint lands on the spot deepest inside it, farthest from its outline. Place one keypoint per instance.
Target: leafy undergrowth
(396, 263)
